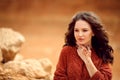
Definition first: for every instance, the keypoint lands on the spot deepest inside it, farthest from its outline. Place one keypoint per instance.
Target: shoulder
(68, 48)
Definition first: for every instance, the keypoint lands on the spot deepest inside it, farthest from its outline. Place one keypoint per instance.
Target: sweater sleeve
(104, 73)
(61, 73)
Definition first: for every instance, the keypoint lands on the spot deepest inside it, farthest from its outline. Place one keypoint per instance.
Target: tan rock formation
(13, 66)
(10, 43)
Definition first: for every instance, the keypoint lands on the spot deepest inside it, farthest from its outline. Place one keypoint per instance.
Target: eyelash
(82, 30)
(76, 30)
(85, 30)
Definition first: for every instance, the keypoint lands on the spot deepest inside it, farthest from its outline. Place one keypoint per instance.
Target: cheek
(75, 35)
(89, 36)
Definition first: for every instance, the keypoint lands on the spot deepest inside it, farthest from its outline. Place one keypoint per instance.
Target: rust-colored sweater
(71, 67)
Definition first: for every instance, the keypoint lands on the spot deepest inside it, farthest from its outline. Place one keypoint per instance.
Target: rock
(13, 66)
(10, 43)
(31, 69)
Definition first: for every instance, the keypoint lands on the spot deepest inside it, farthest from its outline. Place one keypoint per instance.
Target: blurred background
(44, 23)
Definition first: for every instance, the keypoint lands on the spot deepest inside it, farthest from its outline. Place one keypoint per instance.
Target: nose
(80, 34)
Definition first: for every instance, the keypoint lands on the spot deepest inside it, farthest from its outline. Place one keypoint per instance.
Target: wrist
(88, 60)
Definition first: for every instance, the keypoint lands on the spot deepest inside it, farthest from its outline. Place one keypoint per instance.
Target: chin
(84, 44)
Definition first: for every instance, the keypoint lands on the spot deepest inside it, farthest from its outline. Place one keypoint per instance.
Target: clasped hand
(84, 52)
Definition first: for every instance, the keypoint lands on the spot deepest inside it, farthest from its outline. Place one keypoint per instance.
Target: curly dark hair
(100, 41)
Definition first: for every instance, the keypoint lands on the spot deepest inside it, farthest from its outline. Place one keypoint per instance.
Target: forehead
(82, 24)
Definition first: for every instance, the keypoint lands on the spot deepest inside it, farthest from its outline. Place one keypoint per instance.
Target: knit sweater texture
(71, 67)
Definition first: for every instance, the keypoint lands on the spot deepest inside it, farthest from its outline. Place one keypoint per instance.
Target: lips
(80, 39)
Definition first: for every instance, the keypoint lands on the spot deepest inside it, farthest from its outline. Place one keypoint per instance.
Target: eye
(85, 30)
(76, 30)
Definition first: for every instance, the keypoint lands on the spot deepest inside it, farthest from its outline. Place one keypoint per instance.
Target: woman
(86, 54)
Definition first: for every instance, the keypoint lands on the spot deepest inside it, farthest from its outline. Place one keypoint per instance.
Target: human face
(83, 33)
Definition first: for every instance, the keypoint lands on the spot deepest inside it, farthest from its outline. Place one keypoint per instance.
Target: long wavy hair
(100, 41)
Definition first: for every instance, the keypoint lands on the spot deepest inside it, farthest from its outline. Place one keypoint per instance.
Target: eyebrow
(82, 28)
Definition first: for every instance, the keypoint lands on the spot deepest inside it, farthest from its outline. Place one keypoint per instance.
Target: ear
(93, 34)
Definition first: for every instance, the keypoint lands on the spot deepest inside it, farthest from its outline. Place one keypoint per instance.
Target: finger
(79, 47)
(88, 48)
(84, 48)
